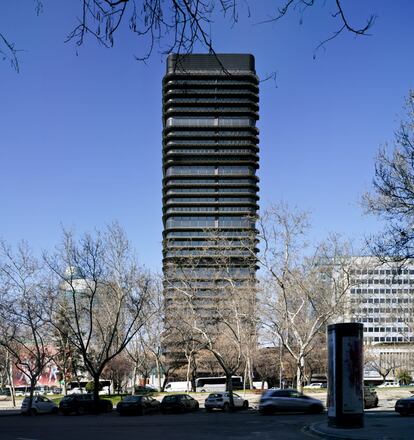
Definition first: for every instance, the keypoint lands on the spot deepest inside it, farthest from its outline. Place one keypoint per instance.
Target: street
(217, 425)
(200, 425)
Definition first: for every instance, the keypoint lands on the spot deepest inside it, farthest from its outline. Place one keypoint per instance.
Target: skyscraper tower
(210, 158)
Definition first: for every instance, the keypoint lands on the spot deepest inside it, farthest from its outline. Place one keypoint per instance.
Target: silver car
(288, 400)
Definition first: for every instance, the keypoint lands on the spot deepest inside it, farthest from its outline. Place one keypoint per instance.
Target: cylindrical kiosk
(345, 375)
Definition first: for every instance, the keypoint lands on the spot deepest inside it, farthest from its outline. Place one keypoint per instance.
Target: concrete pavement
(379, 425)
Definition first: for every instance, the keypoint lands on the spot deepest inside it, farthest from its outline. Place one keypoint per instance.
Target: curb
(317, 431)
(9, 412)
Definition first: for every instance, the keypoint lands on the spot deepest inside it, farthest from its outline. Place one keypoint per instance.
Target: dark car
(83, 403)
(405, 406)
(137, 405)
(288, 400)
(178, 403)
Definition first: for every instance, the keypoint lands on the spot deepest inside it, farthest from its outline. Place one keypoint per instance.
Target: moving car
(222, 401)
(178, 403)
(288, 400)
(137, 405)
(405, 406)
(40, 405)
(370, 398)
(83, 403)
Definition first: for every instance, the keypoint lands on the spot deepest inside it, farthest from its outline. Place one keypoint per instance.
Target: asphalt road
(191, 426)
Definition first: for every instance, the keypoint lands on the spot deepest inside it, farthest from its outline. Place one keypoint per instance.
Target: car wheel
(81, 410)
(33, 412)
(109, 407)
(143, 411)
(209, 409)
(226, 407)
(268, 410)
(315, 409)
(376, 403)
(245, 404)
(196, 406)
(54, 411)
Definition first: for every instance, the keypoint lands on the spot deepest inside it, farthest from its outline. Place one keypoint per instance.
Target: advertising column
(345, 375)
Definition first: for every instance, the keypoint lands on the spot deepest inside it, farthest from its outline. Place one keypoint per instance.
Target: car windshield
(132, 399)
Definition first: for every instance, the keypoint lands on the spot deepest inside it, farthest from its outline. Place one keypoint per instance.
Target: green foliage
(90, 386)
(404, 377)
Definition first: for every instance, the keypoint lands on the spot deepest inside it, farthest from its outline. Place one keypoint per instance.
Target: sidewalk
(6, 407)
(379, 425)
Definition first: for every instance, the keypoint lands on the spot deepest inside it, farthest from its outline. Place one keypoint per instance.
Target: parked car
(179, 403)
(137, 405)
(405, 406)
(370, 398)
(173, 387)
(316, 385)
(139, 389)
(56, 390)
(222, 401)
(76, 390)
(388, 384)
(288, 400)
(83, 403)
(40, 405)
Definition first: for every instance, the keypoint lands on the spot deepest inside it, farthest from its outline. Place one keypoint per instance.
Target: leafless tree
(102, 295)
(24, 332)
(146, 348)
(379, 362)
(303, 287)
(392, 198)
(118, 370)
(267, 365)
(178, 25)
(216, 302)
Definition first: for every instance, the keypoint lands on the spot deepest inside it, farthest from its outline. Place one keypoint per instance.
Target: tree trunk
(230, 388)
(165, 381)
(9, 368)
(188, 372)
(158, 372)
(96, 386)
(193, 378)
(134, 378)
(33, 381)
(299, 373)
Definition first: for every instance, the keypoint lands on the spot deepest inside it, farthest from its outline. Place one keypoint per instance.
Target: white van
(173, 387)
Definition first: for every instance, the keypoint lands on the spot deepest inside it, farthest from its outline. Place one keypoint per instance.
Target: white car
(388, 384)
(77, 390)
(314, 385)
(40, 405)
(222, 401)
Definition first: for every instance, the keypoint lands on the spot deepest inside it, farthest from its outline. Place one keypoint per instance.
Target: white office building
(381, 296)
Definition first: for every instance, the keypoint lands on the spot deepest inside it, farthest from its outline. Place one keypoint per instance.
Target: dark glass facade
(210, 160)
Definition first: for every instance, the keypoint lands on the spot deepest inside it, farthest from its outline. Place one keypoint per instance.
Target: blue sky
(80, 130)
